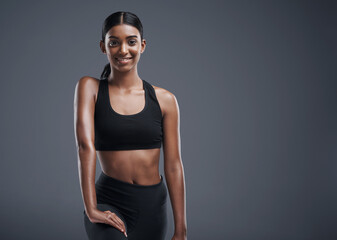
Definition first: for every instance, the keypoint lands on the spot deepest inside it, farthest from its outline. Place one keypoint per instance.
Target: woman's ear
(102, 46)
(143, 46)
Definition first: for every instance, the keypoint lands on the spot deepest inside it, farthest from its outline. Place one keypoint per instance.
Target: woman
(127, 120)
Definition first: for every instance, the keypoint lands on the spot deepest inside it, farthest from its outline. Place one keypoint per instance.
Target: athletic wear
(114, 131)
(142, 208)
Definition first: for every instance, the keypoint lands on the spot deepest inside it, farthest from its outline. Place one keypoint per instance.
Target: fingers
(115, 221)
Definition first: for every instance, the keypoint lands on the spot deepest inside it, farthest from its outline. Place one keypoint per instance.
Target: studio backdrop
(256, 86)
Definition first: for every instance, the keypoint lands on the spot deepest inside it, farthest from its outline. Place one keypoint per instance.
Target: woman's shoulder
(88, 86)
(163, 93)
(166, 98)
(88, 80)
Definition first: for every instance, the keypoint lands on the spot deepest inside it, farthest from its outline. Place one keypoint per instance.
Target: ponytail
(106, 71)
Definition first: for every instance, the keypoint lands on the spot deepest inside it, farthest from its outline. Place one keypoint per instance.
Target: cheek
(136, 53)
(111, 53)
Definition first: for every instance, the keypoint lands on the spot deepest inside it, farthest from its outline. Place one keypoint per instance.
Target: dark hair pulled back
(118, 18)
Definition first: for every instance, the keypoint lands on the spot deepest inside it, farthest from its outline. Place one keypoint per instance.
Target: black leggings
(142, 208)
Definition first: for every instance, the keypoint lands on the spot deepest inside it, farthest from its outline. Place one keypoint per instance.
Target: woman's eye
(111, 43)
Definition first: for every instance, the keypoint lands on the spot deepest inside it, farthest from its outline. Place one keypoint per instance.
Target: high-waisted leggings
(142, 208)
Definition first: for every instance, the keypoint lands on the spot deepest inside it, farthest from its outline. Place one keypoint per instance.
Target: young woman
(127, 120)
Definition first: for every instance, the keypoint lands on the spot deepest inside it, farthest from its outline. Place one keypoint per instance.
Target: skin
(139, 166)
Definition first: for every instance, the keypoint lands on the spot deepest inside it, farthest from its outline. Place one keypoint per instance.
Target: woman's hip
(120, 193)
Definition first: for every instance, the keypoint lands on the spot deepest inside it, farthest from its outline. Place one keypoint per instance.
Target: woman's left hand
(179, 237)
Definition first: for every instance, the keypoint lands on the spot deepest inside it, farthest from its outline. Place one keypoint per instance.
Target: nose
(123, 49)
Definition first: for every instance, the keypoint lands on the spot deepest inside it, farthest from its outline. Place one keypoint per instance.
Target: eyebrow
(126, 37)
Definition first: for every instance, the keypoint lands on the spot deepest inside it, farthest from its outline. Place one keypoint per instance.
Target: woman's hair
(118, 18)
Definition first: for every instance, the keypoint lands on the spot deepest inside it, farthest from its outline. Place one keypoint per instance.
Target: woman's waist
(131, 168)
(118, 192)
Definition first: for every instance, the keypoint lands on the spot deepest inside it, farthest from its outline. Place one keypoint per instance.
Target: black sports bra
(114, 131)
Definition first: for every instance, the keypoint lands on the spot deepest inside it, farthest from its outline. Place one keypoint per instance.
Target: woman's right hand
(108, 217)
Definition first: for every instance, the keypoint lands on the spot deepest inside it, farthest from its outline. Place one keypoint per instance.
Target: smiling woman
(122, 38)
(122, 59)
(125, 120)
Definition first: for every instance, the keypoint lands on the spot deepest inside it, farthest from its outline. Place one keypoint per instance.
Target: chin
(124, 68)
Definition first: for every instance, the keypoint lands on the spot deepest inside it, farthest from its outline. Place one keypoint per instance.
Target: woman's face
(123, 47)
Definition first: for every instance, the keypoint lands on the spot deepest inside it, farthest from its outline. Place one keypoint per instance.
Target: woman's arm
(84, 106)
(173, 167)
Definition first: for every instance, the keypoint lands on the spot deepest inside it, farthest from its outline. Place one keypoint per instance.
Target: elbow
(85, 147)
(174, 167)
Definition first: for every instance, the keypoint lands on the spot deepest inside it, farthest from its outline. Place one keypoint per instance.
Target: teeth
(123, 59)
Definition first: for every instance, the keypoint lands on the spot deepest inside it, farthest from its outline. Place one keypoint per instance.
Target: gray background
(256, 86)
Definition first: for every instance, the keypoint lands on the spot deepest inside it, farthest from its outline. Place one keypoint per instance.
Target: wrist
(91, 212)
(182, 231)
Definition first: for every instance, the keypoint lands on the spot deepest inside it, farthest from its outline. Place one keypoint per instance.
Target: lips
(121, 59)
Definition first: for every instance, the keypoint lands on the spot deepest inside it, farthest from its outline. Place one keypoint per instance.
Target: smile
(123, 60)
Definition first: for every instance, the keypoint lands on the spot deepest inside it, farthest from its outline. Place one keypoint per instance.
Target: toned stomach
(139, 166)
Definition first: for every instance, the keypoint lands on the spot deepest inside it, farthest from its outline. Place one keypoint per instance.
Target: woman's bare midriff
(139, 166)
